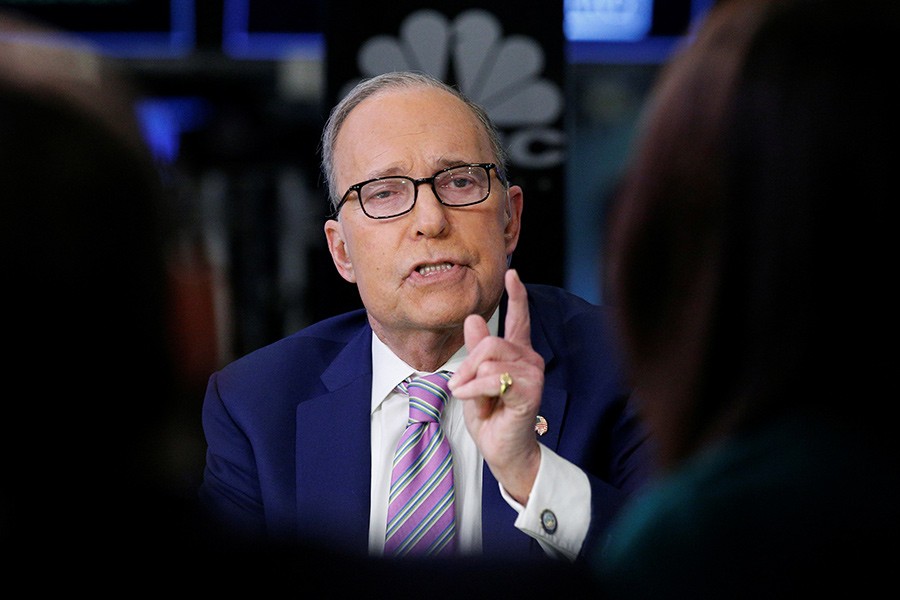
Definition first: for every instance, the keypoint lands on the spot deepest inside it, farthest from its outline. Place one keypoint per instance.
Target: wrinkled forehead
(408, 131)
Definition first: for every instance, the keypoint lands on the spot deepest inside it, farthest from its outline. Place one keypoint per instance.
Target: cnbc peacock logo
(503, 74)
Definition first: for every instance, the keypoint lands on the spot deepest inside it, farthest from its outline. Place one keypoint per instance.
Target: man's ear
(337, 245)
(514, 204)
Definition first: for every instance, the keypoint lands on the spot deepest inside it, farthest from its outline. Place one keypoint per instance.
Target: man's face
(431, 267)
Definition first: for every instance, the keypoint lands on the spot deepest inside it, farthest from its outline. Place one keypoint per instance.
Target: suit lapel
(334, 451)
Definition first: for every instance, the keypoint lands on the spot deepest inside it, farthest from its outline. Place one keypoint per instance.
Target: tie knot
(427, 396)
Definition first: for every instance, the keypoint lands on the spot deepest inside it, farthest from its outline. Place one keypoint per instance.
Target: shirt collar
(388, 369)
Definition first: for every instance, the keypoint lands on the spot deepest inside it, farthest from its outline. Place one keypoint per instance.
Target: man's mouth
(427, 270)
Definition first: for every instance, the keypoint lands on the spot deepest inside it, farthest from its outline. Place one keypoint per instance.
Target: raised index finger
(517, 327)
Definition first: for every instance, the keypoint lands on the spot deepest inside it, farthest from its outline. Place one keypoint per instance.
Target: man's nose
(430, 215)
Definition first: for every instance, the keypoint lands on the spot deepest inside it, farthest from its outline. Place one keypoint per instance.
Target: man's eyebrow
(397, 169)
(387, 171)
(452, 162)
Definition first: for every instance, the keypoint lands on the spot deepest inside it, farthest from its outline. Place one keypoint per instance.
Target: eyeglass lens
(462, 185)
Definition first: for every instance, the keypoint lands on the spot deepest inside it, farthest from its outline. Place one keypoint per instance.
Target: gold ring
(505, 383)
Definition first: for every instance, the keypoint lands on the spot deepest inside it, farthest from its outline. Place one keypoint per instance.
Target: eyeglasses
(387, 197)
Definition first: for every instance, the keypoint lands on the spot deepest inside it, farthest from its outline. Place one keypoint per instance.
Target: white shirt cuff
(558, 513)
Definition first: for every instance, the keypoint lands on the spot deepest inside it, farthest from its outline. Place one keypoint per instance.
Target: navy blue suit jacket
(288, 429)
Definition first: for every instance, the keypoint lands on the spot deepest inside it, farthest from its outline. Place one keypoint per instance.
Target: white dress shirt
(560, 486)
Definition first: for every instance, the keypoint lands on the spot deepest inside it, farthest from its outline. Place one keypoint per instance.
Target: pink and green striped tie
(421, 515)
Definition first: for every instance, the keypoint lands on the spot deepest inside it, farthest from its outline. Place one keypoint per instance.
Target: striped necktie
(421, 516)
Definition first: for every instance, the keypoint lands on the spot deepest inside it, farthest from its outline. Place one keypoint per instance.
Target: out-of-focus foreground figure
(89, 373)
(751, 259)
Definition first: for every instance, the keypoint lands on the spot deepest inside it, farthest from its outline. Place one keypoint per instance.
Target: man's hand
(503, 425)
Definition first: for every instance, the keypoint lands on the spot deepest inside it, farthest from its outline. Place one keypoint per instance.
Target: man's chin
(449, 319)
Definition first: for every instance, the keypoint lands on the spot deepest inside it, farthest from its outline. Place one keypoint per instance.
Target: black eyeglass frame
(356, 187)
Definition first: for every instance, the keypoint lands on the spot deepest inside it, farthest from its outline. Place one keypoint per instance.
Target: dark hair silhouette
(83, 230)
(748, 254)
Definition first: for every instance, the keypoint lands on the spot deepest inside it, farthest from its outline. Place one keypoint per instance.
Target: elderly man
(533, 435)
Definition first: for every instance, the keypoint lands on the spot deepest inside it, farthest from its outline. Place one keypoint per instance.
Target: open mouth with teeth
(427, 270)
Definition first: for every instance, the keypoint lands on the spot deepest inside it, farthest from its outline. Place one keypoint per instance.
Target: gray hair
(395, 80)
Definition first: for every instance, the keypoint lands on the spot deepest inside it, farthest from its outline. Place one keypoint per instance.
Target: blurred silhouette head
(83, 237)
(748, 250)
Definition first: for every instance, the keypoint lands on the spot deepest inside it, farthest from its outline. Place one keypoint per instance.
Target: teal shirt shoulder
(786, 508)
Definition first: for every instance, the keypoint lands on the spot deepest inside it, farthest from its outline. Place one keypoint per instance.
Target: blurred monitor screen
(272, 29)
(121, 28)
(628, 20)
